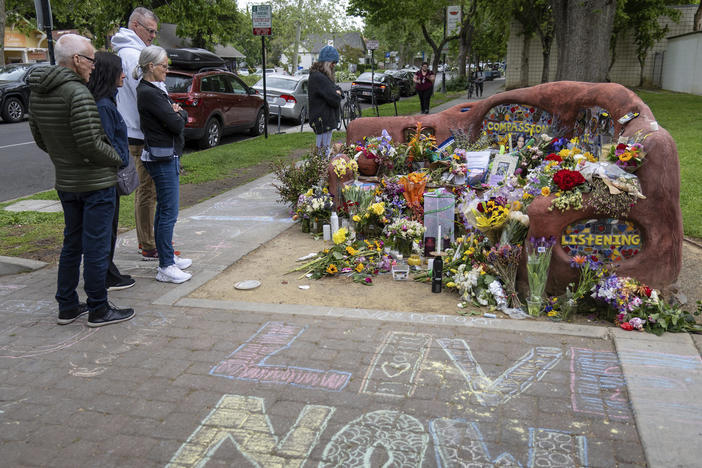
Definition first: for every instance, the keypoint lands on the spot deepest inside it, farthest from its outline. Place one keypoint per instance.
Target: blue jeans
(324, 140)
(167, 180)
(88, 218)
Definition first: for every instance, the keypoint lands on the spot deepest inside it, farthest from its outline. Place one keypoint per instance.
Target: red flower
(567, 180)
(621, 146)
(647, 291)
(554, 157)
(626, 326)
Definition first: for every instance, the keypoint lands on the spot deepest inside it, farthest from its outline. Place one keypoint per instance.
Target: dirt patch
(271, 263)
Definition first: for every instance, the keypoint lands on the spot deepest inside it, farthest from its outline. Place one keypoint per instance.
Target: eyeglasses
(162, 65)
(89, 59)
(149, 30)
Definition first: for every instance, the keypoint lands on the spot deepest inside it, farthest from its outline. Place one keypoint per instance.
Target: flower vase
(305, 225)
(404, 247)
(534, 306)
(318, 226)
(367, 166)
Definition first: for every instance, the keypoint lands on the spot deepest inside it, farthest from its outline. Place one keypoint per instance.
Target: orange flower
(332, 270)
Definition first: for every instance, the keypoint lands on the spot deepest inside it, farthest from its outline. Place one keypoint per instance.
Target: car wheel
(13, 110)
(213, 134)
(260, 124)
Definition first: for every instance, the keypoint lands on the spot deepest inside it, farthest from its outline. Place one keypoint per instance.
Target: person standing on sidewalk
(479, 81)
(162, 123)
(424, 84)
(104, 81)
(65, 123)
(324, 96)
(128, 44)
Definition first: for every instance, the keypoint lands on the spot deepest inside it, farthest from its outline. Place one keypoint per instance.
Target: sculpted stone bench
(647, 245)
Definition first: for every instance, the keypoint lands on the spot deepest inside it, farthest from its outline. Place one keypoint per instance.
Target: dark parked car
(14, 90)
(217, 102)
(383, 85)
(405, 79)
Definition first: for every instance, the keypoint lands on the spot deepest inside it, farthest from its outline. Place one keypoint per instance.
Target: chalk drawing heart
(392, 369)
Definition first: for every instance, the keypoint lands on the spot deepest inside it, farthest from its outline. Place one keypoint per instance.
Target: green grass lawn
(681, 115)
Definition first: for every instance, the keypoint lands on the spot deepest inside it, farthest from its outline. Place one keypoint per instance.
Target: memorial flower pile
(379, 149)
(504, 260)
(421, 146)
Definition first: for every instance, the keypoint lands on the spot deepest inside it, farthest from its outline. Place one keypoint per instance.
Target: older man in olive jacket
(65, 123)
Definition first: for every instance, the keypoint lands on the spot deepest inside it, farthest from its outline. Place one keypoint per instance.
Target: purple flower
(637, 323)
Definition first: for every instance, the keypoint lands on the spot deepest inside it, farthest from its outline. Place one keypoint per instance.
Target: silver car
(287, 94)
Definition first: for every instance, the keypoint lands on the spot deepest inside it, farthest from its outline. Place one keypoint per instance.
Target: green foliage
(294, 179)
(459, 83)
(250, 79)
(679, 113)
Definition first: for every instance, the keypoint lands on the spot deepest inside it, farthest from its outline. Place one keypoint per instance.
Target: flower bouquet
(342, 167)
(404, 232)
(538, 261)
(357, 199)
(490, 216)
(421, 146)
(380, 150)
(314, 207)
(629, 157)
(504, 259)
(369, 223)
(414, 185)
(361, 260)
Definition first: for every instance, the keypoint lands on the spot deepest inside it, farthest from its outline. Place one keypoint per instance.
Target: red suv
(217, 102)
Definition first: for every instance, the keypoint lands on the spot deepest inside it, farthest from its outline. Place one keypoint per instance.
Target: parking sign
(262, 20)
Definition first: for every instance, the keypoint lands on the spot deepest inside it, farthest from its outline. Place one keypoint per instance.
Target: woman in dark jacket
(162, 122)
(106, 77)
(324, 96)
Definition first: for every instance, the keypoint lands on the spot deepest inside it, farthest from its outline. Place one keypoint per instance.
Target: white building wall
(683, 64)
(626, 67)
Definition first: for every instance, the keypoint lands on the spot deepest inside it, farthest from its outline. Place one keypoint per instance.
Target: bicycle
(351, 109)
(471, 89)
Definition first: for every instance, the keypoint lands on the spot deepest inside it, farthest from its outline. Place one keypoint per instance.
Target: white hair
(69, 45)
(141, 13)
(151, 54)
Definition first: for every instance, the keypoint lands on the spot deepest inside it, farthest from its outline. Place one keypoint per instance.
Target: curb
(15, 265)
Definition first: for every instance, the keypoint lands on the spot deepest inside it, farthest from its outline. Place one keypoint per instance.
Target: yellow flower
(564, 153)
(545, 191)
(453, 270)
(459, 240)
(625, 156)
(339, 236)
(326, 251)
(356, 218)
(558, 194)
(516, 205)
(527, 196)
(552, 313)
(378, 208)
(377, 245)
(367, 215)
(359, 267)
(309, 193)
(351, 250)
(470, 251)
(450, 284)
(324, 190)
(482, 272)
(590, 157)
(331, 269)
(574, 140)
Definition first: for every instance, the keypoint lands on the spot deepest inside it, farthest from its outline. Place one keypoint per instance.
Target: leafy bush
(342, 75)
(294, 179)
(250, 79)
(457, 84)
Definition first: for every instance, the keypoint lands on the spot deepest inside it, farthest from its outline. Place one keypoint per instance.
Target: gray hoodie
(129, 46)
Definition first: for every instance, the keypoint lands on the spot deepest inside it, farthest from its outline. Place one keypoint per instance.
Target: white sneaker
(182, 263)
(172, 274)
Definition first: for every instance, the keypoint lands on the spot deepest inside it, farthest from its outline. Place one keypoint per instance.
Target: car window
(236, 86)
(12, 73)
(178, 83)
(277, 82)
(304, 87)
(215, 84)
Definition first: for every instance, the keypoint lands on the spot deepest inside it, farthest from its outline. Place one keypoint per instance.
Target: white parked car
(287, 93)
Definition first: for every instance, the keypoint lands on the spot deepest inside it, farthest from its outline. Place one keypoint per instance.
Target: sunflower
(351, 250)
(331, 269)
(359, 267)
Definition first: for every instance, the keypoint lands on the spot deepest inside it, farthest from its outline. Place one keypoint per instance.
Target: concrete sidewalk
(192, 381)
(195, 382)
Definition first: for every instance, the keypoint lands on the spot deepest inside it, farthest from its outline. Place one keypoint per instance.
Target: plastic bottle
(334, 220)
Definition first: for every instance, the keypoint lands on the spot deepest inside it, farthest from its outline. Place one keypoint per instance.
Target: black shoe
(69, 316)
(109, 314)
(122, 283)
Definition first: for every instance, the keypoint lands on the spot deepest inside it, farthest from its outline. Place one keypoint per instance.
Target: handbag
(160, 153)
(127, 178)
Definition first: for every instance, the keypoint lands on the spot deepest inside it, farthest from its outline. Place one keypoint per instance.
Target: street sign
(372, 44)
(453, 18)
(261, 18)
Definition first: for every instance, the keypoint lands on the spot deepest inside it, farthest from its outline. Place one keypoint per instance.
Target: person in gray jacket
(65, 123)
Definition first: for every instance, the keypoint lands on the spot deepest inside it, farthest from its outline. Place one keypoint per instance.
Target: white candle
(326, 232)
(438, 240)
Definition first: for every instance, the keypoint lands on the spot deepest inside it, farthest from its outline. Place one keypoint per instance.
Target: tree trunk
(524, 66)
(296, 48)
(697, 22)
(2, 32)
(583, 31)
(546, 43)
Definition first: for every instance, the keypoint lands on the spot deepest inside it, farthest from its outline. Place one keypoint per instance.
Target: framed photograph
(503, 165)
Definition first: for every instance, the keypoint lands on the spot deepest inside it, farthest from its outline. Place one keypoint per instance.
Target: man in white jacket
(128, 43)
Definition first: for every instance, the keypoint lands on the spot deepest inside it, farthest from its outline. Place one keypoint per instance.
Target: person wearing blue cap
(324, 96)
